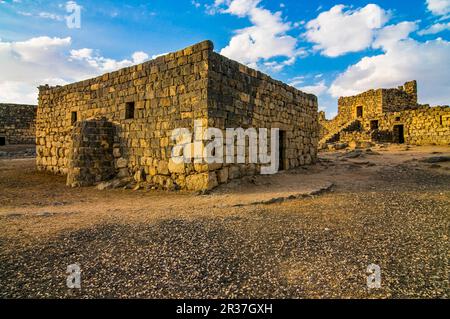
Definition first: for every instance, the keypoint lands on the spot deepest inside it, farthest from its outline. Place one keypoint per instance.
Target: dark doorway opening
(359, 111)
(2, 140)
(374, 125)
(399, 134)
(282, 151)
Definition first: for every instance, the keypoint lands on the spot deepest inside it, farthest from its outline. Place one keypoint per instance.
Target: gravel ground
(316, 247)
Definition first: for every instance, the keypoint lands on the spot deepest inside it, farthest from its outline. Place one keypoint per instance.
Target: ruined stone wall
(324, 124)
(402, 98)
(242, 97)
(17, 123)
(371, 102)
(423, 126)
(357, 136)
(168, 92)
(91, 158)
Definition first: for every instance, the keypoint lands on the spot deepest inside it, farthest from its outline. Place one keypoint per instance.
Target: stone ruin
(17, 124)
(386, 116)
(119, 124)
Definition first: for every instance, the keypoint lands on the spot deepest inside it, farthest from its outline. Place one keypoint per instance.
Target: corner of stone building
(411, 89)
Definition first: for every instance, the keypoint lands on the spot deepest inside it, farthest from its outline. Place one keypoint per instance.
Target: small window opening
(374, 125)
(2, 140)
(441, 121)
(129, 111)
(359, 111)
(74, 118)
(397, 119)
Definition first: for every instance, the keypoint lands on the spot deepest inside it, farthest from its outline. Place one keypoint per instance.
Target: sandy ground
(306, 233)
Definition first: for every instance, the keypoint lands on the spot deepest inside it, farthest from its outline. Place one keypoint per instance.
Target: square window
(129, 111)
(374, 125)
(397, 119)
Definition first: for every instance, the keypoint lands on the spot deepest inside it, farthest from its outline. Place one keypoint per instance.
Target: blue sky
(330, 48)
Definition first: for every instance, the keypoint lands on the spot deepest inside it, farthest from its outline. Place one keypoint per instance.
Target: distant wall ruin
(387, 115)
(17, 124)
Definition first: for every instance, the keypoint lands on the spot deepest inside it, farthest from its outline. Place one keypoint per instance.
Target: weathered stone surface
(176, 168)
(377, 115)
(90, 159)
(163, 168)
(198, 182)
(146, 102)
(222, 175)
(17, 124)
(121, 163)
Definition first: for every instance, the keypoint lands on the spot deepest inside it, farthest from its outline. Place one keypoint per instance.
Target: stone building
(120, 124)
(17, 124)
(386, 115)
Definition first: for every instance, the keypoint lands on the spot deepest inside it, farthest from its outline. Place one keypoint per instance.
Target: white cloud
(81, 54)
(340, 30)
(435, 28)
(401, 61)
(51, 16)
(43, 60)
(265, 40)
(439, 7)
(316, 89)
(392, 34)
(139, 57)
(297, 81)
(241, 8)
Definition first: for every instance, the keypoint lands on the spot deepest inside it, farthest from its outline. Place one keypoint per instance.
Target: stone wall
(356, 136)
(375, 102)
(424, 126)
(380, 104)
(402, 98)
(91, 158)
(17, 123)
(371, 102)
(242, 97)
(167, 93)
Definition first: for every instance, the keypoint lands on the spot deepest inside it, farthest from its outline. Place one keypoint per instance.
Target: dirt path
(310, 232)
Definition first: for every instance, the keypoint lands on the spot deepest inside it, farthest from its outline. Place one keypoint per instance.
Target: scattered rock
(371, 152)
(45, 214)
(115, 183)
(354, 154)
(436, 159)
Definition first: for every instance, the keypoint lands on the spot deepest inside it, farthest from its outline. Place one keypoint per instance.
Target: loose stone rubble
(386, 115)
(120, 124)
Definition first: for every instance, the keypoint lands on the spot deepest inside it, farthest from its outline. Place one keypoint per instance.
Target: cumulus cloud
(341, 30)
(139, 57)
(316, 89)
(439, 7)
(403, 60)
(43, 60)
(265, 40)
(390, 35)
(435, 28)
